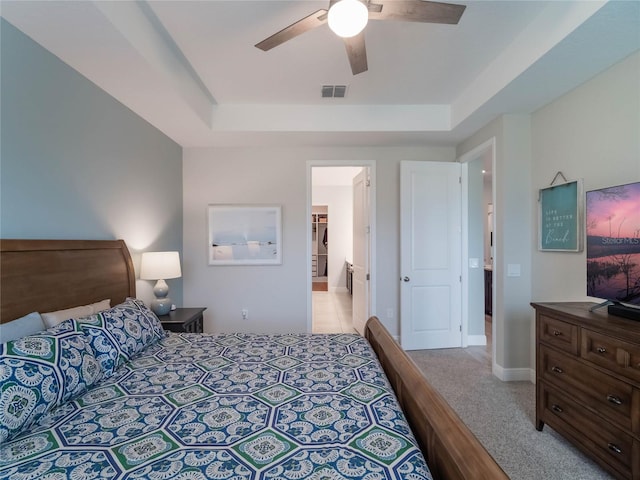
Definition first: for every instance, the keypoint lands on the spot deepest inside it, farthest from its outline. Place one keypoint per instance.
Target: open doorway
(319, 247)
(331, 247)
(480, 249)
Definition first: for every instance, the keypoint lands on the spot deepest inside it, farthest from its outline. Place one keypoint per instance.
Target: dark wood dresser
(588, 382)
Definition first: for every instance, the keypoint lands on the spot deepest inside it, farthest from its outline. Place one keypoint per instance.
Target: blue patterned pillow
(42, 371)
(104, 346)
(119, 333)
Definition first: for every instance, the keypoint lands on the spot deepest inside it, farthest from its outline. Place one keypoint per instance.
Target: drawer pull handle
(557, 333)
(602, 350)
(556, 408)
(613, 399)
(614, 448)
(557, 370)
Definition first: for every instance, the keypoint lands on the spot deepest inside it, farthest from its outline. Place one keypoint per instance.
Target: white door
(430, 255)
(360, 283)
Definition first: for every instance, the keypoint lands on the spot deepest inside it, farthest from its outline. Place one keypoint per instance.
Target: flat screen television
(613, 243)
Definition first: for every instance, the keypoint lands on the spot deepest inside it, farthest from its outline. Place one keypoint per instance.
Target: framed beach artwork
(244, 235)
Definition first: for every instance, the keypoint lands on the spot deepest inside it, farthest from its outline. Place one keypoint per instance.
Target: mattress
(228, 406)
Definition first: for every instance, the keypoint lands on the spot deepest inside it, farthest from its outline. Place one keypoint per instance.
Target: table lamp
(160, 266)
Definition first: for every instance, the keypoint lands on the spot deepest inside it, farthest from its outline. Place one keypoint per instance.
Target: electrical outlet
(245, 314)
(389, 312)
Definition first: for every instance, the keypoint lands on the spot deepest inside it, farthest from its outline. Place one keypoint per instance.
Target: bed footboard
(451, 450)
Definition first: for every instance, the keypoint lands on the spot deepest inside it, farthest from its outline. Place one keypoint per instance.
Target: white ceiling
(190, 68)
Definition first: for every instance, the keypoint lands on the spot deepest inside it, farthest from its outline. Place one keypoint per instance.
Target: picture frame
(560, 217)
(244, 234)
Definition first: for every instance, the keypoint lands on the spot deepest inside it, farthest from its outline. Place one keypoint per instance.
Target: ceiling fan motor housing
(347, 18)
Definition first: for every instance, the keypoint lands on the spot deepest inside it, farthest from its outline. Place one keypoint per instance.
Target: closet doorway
(331, 247)
(320, 248)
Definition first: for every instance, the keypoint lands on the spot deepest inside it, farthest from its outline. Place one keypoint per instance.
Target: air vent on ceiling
(334, 91)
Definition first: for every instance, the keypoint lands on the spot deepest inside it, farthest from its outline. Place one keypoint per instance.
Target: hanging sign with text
(560, 217)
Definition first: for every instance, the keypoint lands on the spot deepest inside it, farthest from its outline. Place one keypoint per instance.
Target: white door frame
(464, 160)
(371, 165)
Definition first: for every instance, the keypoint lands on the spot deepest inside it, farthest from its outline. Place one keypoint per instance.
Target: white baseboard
(339, 289)
(514, 374)
(479, 340)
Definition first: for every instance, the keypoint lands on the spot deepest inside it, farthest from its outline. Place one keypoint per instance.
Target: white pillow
(21, 327)
(101, 306)
(51, 319)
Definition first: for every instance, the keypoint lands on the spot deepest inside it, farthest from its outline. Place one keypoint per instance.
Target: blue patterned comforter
(239, 406)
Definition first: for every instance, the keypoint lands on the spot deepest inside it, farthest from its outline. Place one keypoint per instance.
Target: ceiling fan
(350, 25)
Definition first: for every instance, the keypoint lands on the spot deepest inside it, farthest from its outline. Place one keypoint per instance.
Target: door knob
(406, 279)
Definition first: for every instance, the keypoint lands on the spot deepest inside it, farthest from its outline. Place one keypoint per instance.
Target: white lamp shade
(347, 18)
(160, 265)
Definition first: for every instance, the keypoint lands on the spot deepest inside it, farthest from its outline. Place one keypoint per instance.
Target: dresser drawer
(602, 439)
(608, 396)
(560, 334)
(616, 355)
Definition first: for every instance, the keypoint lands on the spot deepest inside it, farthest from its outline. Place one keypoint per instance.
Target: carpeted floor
(502, 416)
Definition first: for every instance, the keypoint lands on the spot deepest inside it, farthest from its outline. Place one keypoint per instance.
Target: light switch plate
(513, 270)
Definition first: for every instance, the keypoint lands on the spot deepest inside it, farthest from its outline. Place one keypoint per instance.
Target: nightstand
(183, 320)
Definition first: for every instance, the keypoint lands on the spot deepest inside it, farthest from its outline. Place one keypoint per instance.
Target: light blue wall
(512, 241)
(77, 164)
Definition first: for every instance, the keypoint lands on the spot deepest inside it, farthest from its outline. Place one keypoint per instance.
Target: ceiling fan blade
(357, 53)
(307, 23)
(418, 11)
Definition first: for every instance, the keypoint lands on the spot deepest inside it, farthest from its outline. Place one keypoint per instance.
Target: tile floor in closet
(332, 312)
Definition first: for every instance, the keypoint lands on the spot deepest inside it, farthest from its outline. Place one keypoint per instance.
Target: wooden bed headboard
(48, 275)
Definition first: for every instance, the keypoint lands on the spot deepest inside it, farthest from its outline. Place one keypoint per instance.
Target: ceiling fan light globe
(347, 18)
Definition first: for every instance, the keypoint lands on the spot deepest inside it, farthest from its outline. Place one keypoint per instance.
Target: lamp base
(161, 306)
